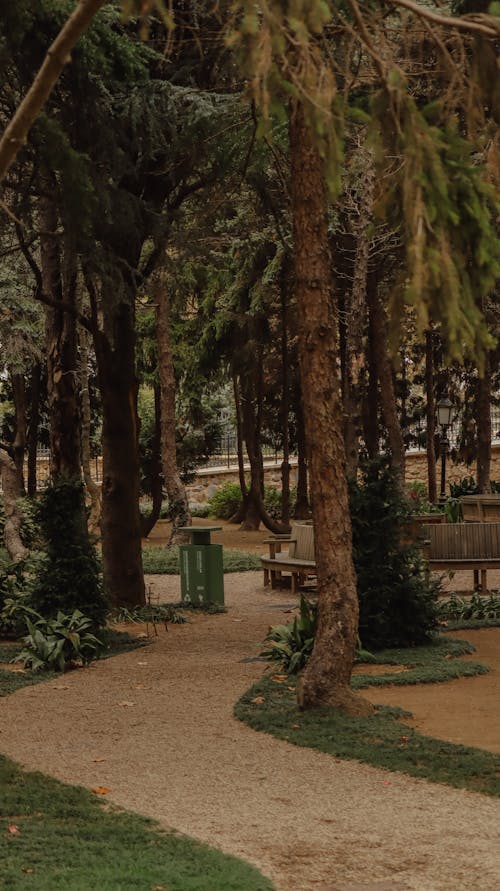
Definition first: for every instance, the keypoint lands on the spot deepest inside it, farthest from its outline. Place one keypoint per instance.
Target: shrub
(397, 600)
(291, 645)
(226, 501)
(70, 579)
(55, 643)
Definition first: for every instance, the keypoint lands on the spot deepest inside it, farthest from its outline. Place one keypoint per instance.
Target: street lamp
(444, 412)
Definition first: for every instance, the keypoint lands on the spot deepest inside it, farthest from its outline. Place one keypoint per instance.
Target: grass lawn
(166, 560)
(382, 739)
(57, 836)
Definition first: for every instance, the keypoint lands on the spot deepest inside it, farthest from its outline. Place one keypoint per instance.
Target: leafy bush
(200, 510)
(291, 644)
(397, 600)
(70, 579)
(418, 499)
(55, 643)
(226, 501)
(475, 607)
(466, 486)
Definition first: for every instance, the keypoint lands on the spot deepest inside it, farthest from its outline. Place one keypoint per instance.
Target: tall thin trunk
(32, 434)
(484, 428)
(93, 488)
(148, 523)
(370, 409)
(175, 488)
(240, 513)
(355, 330)
(386, 380)
(430, 411)
(13, 517)
(302, 507)
(326, 678)
(19, 444)
(285, 406)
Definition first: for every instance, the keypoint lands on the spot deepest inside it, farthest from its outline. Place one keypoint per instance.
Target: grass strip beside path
(381, 740)
(165, 561)
(58, 836)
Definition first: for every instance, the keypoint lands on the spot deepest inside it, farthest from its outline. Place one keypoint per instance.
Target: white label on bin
(186, 568)
(199, 560)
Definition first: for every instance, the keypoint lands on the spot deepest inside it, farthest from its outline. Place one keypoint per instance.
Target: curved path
(156, 727)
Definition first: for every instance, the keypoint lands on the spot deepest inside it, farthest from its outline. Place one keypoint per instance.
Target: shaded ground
(155, 726)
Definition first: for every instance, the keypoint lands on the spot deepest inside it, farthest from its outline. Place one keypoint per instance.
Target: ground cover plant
(382, 739)
(165, 561)
(58, 836)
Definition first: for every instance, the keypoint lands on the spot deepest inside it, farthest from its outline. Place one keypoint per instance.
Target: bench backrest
(462, 541)
(480, 508)
(303, 546)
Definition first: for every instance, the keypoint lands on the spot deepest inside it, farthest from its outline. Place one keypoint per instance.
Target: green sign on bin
(202, 576)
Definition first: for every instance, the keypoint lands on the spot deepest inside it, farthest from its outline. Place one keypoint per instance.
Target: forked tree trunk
(175, 488)
(326, 678)
(430, 411)
(13, 517)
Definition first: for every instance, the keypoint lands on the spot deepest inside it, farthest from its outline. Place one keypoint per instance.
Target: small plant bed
(436, 662)
(13, 677)
(476, 611)
(58, 836)
(165, 561)
(381, 740)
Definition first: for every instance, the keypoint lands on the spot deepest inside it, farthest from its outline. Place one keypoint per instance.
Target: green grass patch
(165, 561)
(437, 661)
(67, 839)
(381, 740)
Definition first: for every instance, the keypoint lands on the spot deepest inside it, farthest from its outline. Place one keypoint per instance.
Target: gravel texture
(155, 726)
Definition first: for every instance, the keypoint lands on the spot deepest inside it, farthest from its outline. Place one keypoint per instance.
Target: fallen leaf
(290, 688)
(280, 678)
(158, 887)
(60, 687)
(28, 872)
(295, 726)
(14, 830)
(98, 760)
(100, 790)
(258, 700)
(142, 663)
(126, 704)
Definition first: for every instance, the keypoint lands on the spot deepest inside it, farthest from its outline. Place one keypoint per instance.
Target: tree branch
(480, 24)
(58, 55)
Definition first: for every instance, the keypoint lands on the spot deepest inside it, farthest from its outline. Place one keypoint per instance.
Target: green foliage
(70, 579)
(155, 613)
(466, 486)
(453, 510)
(477, 607)
(381, 740)
(157, 560)
(226, 501)
(418, 499)
(72, 841)
(57, 643)
(397, 600)
(291, 645)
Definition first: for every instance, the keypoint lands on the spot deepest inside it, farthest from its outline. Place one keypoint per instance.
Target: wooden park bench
(474, 546)
(298, 561)
(480, 508)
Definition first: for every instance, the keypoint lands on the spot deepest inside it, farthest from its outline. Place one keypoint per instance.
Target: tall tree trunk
(251, 435)
(285, 404)
(370, 410)
(19, 444)
(386, 380)
(239, 516)
(120, 517)
(32, 434)
(148, 523)
(430, 411)
(484, 428)
(93, 488)
(355, 331)
(326, 678)
(13, 517)
(302, 508)
(175, 488)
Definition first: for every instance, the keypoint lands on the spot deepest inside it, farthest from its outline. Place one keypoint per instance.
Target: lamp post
(444, 412)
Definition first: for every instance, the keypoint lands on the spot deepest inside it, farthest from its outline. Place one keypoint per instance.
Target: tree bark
(285, 405)
(32, 435)
(19, 443)
(175, 488)
(326, 678)
(355, 331)
(93, 488)
(120, 518)
(386, 380)
(370, 411)
(430, 411)
(58, 55)
(302, 507)
(13, 517)
(484, 428)
(148, 523)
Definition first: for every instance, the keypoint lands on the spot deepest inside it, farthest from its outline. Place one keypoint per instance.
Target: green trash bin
(202, 576)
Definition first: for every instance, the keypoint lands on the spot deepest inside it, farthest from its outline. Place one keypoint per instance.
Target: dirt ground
(155, 727)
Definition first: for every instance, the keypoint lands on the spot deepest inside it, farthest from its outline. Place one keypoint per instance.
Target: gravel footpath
(156, 727)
